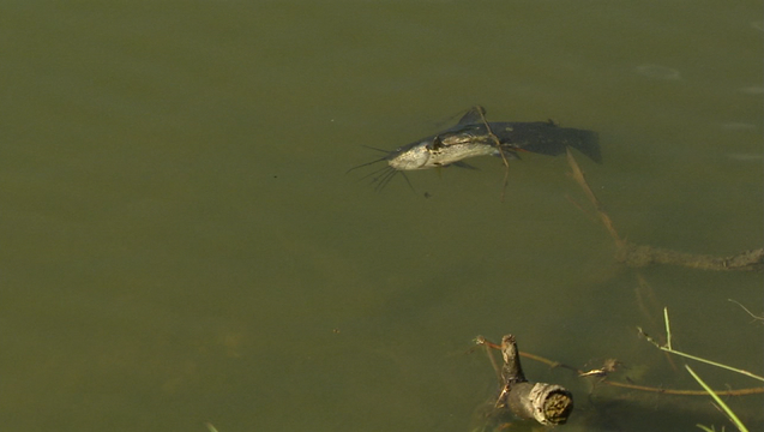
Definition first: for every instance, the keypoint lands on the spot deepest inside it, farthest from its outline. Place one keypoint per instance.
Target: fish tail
(587, 142)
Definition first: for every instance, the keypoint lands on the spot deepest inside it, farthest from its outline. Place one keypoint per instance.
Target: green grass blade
(736, 421)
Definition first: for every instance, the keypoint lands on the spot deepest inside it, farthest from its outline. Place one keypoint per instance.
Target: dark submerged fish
(473, 136)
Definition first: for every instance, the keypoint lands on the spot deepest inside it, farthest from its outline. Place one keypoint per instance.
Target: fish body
(444, 149)
(473, 136)
(547, 138)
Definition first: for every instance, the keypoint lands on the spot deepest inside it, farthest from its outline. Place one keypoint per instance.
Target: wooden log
(548, 404)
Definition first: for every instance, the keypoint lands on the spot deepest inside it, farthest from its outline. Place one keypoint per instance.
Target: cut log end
(552, 403)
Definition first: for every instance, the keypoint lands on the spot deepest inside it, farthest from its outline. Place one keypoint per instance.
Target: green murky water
(180, 243)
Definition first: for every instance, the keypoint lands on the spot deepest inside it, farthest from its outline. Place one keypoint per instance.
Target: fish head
(411, 157)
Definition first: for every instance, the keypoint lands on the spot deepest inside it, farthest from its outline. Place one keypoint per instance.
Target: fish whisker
(375, 172)
(382, 181)
(405, 177)
(366, 164)
(375, 148)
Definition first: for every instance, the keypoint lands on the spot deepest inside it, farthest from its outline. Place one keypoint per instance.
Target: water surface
(181, 243)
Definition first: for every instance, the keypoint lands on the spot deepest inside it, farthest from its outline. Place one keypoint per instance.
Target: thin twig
(480, 340)
(755, 317)
(498, 147)
(579, 177)
(660, 390)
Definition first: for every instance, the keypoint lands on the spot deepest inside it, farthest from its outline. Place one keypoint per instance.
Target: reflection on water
(181, 245)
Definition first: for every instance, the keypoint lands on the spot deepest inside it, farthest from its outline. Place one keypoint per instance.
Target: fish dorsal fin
(474, 115)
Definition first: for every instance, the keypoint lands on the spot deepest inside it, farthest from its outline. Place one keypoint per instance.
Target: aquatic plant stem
(669, 349)
(668, 328)
(736, 421)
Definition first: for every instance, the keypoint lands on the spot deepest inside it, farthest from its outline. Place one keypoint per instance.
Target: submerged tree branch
(643, 255)
(635, 255)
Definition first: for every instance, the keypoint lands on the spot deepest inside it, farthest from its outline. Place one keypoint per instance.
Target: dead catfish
(474, 136)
